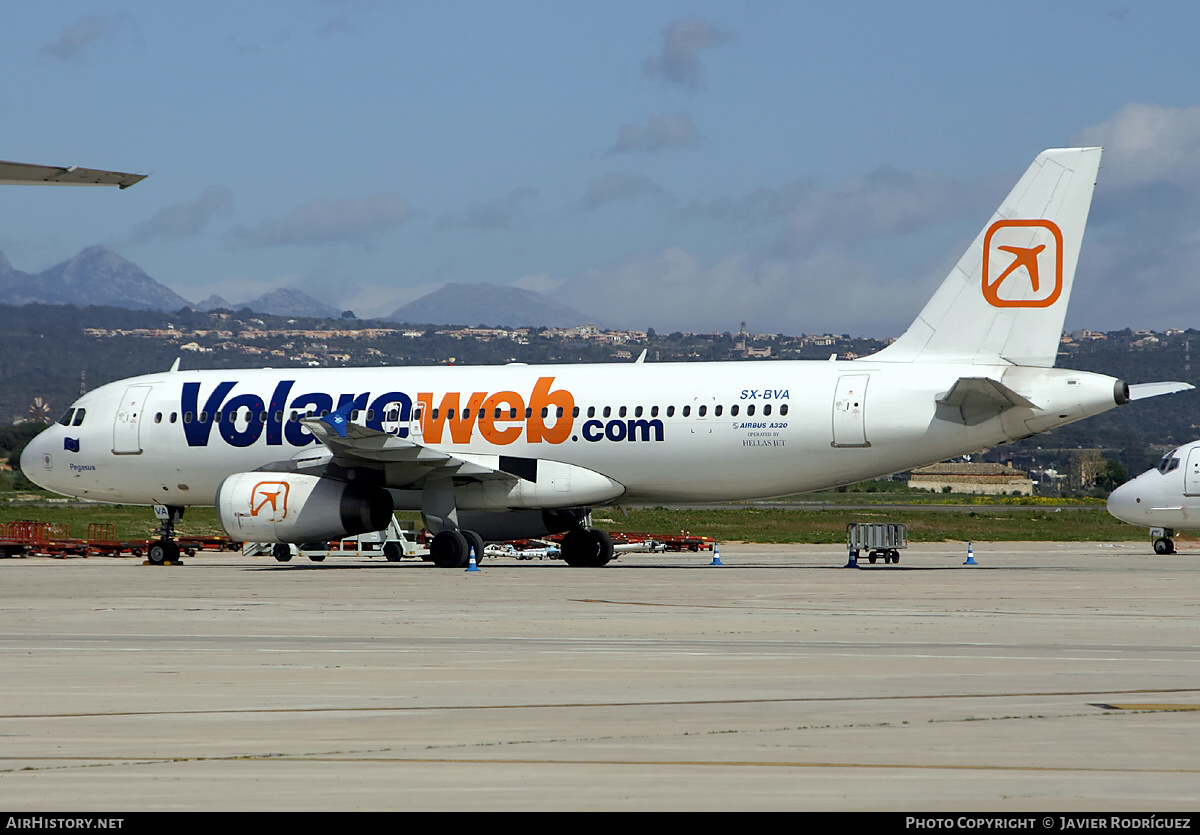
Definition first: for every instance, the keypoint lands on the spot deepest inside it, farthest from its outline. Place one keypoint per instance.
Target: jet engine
(293, 507)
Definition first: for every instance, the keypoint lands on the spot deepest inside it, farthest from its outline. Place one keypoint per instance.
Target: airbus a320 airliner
(505, 452)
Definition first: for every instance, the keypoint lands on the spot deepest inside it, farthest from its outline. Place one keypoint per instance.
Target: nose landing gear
(166, 550)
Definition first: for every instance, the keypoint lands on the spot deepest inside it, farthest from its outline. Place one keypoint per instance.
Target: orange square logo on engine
(1022, 263)
(268, 500)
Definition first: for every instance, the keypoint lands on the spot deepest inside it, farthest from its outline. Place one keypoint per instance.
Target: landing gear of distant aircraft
(166, 549)
(1164, 545)
(282, 552)
(587, 548)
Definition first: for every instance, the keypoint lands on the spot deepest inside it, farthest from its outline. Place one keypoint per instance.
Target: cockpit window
(1169, 462)
(79, 413)
(65, 420)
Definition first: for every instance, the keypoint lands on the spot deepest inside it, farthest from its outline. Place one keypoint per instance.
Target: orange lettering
(487, 418)
(551, 401)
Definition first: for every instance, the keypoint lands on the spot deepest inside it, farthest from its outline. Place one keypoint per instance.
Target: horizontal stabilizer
(27, 174)
(1140, 391)
(972, 400)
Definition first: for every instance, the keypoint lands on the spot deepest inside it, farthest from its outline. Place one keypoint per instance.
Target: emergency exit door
(849, 409)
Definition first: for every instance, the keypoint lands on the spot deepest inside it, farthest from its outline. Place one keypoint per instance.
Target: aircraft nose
(37, 461)
(1125, 503)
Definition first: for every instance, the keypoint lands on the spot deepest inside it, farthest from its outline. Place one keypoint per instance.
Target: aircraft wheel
(282, 552)
(475, 541)
(162, 552)
(1162, 545)
(449, 549)
(587, 548)
(392, 552)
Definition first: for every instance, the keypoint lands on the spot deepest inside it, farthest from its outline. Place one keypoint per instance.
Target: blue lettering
(276, 417)
(295, 433)
(378, 412)
(254, 425)
(646, 426)
(615, 430)
(590, 430)
(194, 430)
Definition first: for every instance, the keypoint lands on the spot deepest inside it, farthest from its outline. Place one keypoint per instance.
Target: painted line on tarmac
(795, 764)
(577, 705)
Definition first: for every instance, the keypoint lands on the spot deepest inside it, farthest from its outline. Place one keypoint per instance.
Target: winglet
(339, 418)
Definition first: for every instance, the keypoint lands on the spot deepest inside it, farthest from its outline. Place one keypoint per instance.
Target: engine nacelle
(293, 507)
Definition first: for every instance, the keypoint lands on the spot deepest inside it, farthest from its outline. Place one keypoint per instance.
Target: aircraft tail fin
(1005, 300)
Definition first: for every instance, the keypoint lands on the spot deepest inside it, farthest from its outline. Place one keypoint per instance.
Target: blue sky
(802, 167)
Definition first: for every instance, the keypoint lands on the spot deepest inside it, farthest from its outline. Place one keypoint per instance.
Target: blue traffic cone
(716, 554)
(853, 561)
(472, 565)
(970, 556)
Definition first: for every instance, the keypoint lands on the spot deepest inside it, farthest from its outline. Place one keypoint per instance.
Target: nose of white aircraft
(37, 460)
(1125, 503)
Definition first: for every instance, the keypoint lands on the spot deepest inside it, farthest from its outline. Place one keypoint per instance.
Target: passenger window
(703, 411)
(717, 410)
(783, 409)
(591, 411)
(670, 411)
(637, 412)
(621, 413)
(653, 411)
(174, 416)
(608, 411)
(750, 410)
(767, 409)
(687, 410)
(733, 410)
(187, 417)
(158, 417)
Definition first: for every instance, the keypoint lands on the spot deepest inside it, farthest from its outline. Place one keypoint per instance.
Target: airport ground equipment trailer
(878, 539)
(393, 543)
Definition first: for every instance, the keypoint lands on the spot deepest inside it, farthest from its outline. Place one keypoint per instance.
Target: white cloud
(501, 213)
(622, 186)
(539, 283)
(354, 219)
(187, 219)
(76, 40)
(1145, 143)
(662, 132)
(678, 60)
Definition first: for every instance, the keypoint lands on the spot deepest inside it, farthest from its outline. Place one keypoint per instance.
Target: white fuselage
(1167, 496)
(665, 432)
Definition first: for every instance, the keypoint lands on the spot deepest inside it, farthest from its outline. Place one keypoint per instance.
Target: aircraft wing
(27, 174)
(350, 441)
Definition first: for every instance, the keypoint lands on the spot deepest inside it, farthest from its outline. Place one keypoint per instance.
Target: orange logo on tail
(1018, 271)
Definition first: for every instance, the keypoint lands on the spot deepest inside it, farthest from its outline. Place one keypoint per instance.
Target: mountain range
(98, 276)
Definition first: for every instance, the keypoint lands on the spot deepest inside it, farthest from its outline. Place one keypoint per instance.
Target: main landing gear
(166, 549)
(581, 548)
(452, 548)
(587, 548)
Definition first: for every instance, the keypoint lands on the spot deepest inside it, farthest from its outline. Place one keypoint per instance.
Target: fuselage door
(849, 408)
(126, 434)
(1191, 475)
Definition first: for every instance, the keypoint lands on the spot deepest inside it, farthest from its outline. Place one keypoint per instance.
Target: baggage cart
(878, 539)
